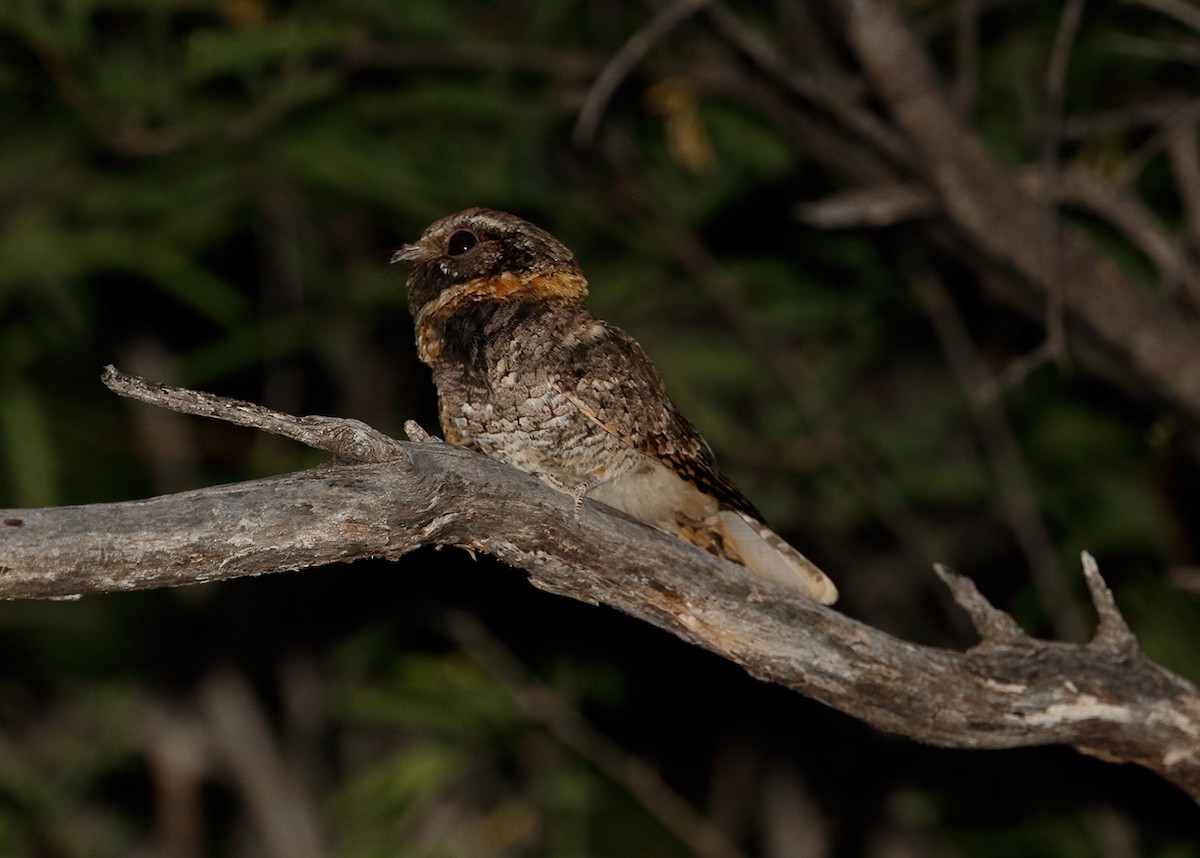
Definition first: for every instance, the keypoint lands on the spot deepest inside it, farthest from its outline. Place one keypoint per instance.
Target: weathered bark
(1104, 698)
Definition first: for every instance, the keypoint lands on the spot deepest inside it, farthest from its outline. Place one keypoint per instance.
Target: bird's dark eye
(460, 242)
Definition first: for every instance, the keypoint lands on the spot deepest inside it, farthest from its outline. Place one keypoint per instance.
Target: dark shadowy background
(208, 193)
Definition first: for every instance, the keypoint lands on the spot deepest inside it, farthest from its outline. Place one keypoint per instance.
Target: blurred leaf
(213, 52)
(379, 797)
(1111, 509)
(448, 696)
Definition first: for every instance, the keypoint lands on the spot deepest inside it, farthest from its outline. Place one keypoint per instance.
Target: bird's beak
(416, 252)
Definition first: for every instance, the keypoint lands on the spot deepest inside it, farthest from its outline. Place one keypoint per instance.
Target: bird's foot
(577, 491)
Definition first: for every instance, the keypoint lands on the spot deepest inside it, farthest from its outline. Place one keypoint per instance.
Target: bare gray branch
(349, 440)
(1106, 700)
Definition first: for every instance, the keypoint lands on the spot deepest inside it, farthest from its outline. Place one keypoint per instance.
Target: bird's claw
(577, 491)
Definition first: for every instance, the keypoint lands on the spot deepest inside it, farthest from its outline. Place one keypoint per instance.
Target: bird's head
(480, 254)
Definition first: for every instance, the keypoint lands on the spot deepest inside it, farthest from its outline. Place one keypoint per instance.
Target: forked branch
(1104, 698)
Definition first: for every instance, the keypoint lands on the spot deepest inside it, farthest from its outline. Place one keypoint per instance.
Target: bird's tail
(762, 550)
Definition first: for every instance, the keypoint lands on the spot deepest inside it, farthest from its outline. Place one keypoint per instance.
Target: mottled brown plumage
(525, 374)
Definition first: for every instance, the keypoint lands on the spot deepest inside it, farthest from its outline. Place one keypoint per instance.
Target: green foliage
(52, 782)
(32, 463)
(467, 772)
(1112, 509)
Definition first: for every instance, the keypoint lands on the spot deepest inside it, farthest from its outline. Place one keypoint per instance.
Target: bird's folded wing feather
(608, 377)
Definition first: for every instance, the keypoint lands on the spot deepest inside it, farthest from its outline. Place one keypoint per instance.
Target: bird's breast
(521, 419)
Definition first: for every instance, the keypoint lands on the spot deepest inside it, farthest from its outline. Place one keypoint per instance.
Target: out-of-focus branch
(926, 163)
(1180, 10)
(241, 739)
(1127, 214)
(991, 218)
(1184, 152)
(880, 205)
(625, 60)
(836, 95)
(1056, 78)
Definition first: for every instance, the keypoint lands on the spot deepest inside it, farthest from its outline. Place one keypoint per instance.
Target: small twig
(874, 206)
(1184, 153)
(240, 736)
(1158, 49)
(839, 95)
(1180, 121)
(1021, 367)
(1112, 632)
(1183, 12)
(1125, 213)
(1184, 579)
(1122, 120)
(994, 625)
(349, 440)
(417, 434)
(966, 55)
(791, 819)
(178, 754)
(567, 725)
(1056, 75)
(623, 62)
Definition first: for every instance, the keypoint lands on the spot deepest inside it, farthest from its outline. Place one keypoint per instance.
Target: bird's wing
(607, 376)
